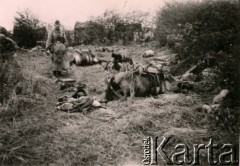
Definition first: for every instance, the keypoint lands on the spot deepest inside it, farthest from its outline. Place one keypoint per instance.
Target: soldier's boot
(59, 73)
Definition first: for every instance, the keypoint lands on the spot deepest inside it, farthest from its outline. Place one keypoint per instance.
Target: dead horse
(135, 84)
(85, 58)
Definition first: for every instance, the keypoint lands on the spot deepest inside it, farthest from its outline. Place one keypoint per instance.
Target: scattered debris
(79, 91)
(210, 108)
(70, 49)
(217, 102)
(78, 101)
(96, 103)
(77, 105)
(123, 53)
(188, 77)
(220, 97)
(100, 49)
(65, 85)
(104, 49)
(109, 49)
(183, 87)
(209, 72)
(148, 54)
(85, 50)
(206, 108)
(36, 49)
(66, 80)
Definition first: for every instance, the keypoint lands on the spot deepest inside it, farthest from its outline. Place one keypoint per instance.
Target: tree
(139, 17)
(27, 29)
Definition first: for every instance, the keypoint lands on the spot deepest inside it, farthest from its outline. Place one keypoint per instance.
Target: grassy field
(35, 133)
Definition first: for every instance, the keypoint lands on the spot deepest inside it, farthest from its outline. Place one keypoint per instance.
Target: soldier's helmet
(57, 22)
(3, 31)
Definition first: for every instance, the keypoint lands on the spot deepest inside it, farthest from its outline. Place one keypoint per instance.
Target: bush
(195, 29)
(199, 30)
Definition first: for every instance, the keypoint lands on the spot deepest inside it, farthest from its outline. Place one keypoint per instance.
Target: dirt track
(111, 136)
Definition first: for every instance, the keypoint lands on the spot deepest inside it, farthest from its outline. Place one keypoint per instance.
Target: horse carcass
(136, 84)
(84, 58)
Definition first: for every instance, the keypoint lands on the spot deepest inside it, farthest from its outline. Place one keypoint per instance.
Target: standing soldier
(56, 45)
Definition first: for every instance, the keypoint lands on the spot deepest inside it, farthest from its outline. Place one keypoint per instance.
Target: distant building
(93, 32)
(79, 32)
(88, 32)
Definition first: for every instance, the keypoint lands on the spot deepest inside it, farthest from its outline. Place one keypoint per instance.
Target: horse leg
(72, 62)
(132, 91)
(125, 95)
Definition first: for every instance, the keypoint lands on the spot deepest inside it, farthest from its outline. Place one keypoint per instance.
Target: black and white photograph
(119, 82)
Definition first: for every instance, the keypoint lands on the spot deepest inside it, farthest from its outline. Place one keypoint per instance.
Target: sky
(70, 11)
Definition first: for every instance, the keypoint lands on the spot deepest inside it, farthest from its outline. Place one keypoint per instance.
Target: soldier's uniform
(57, 37)
(7, 81)
(7, 48)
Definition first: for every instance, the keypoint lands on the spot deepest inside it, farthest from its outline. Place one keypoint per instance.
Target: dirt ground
(111, 136)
